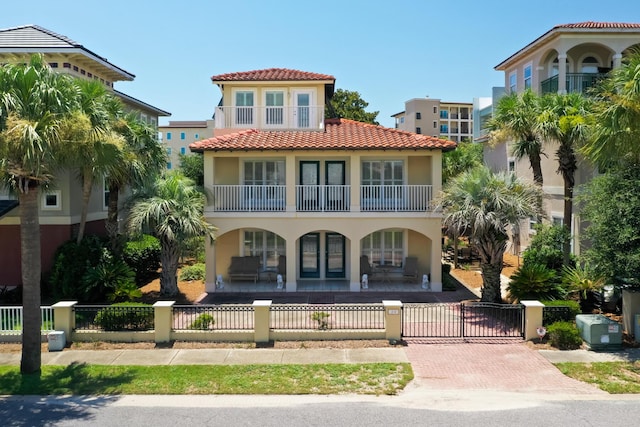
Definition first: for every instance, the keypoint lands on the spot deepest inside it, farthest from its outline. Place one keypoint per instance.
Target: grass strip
(83, 379)
(612, 377)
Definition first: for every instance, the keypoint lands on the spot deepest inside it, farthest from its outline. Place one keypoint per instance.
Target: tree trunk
(87, 184)
(112, 216)
(566, 223)
(169, 255)
(536, 168)
(31, 268)
(491, 282)
(567, 165)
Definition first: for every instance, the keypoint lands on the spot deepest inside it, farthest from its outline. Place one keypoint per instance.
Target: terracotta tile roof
(339, 134)
(271, 74)
(599, 25)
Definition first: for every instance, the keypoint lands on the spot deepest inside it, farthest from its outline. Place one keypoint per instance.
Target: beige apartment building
(177, 135)
(315, 201)
(61, 206)
(433, 117)
(567, 58)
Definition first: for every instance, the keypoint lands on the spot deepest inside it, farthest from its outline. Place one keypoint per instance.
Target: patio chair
(410, 269)
(282, 266)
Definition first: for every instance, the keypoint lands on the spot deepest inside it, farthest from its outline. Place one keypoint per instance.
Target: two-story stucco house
(567, 58)
(59, 208)
(293, 188)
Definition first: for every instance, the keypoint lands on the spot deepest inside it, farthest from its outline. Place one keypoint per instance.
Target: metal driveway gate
(463, 320)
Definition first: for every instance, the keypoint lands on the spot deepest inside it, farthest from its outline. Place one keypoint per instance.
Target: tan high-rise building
(433, 117)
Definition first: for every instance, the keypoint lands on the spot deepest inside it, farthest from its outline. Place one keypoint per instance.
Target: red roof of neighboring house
(271, 74)
(599, 25)
(339, 134)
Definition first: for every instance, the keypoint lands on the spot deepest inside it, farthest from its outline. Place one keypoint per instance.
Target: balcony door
(302, 109)
(310, 255)
(335, 255)
(336, 199)
(310, 182)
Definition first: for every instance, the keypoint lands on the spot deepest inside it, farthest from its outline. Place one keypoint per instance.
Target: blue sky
(389, 51)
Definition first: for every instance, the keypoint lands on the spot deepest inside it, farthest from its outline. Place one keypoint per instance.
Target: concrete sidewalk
(216, 356)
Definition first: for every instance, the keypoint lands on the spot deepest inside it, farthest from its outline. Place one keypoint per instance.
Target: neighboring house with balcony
(60, 207)
(567, 58)
(177, 135)
(286, 183)
(440, 119)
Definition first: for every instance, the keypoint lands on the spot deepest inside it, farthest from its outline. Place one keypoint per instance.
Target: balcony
(321, 198)
(576, 82)
(270, 118)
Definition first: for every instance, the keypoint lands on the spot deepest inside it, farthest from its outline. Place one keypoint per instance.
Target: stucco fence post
(393, 320)
(163, 320)
(532, 318)
(261, 320)
(64, 318)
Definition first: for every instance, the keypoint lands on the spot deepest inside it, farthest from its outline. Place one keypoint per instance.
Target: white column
(290, 243)
(290, 179)
(209, 266)
(617, 60)
(354, 252)
(354, 178)
(562, 73)
(436, 264)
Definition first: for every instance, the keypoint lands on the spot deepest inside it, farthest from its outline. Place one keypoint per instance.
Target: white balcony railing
(395, 198)
(249, 198)
(322, 198)
(270, 118)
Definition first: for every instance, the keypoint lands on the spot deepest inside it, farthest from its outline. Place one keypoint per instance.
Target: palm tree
(141, 161)
(33, 102)
(564, 119)
(616, 124)
(483, 205)
(515, 118)
(173, 209)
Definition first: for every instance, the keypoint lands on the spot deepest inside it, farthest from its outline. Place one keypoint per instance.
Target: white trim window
(51, 200)
(105, 194)
(274, 107)
(264, 172)
(384, 247)
(264, 244)
(244, 104)
(528, 75)
(511, 165)
(513, 79)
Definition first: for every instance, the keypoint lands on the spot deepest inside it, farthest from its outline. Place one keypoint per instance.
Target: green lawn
(612, 377)
(77, 379)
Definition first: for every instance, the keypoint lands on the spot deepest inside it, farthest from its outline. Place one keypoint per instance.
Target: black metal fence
(213, 317)
(324, 317)
(114, 318)
(463, 320)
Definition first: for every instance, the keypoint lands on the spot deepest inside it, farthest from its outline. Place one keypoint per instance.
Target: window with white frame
(51, 200)
(557, 219)
(384, 247)
(264, 172)
(183, 150)
(244, 107)
(183, 135)
(511, 165)
(527, 77)
(168, 136)
(266, 245)
(513, 78)
(383, 172)
(274, 102)
(533, 222)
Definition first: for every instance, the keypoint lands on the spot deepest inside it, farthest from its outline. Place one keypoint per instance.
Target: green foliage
(349, 105)
(535, 282)
(582, 280)
(72, 262)
(143, 256)
(204, 321)
(564, 335)
(111, 276)
(560, 310)
(192, 272)
(125, 317)
(546, 247)
(193, 248)
(610, 205)
(192, 166)
(321, 317)
(466, 156)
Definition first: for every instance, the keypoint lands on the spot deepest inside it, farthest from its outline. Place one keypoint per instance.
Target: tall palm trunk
(536, 168)
(169, 256)
(112, 216)
(491, 253)
(87, 185)
(31, 268)
(567, 166)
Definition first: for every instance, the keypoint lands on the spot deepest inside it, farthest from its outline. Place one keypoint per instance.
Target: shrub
(583, 281)
(321, 318)
(193, 248)
(559, 310)
(202, 322)
(111, 277)
(192, 272)
(535, 282)
(564, 335)
(143, 256)
(546, 247)
(125, 317)
(72, 261)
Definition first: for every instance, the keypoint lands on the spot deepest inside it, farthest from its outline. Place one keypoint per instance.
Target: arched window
(589, 65)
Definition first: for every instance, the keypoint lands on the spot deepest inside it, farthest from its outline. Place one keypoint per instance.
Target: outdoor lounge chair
(410, 270)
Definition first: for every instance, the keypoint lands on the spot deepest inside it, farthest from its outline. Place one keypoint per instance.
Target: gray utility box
(599, 332)
(57, 340)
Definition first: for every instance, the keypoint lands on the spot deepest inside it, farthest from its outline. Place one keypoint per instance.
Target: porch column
(290, 179)
(562, 73)
(436, 265)
(210, 266)
(292, 261)
(535, 84)
(354, 183)
(617, 60)
(354, 253)
(532, 318)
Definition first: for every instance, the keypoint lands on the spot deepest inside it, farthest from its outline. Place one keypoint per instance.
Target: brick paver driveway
(496, 366)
